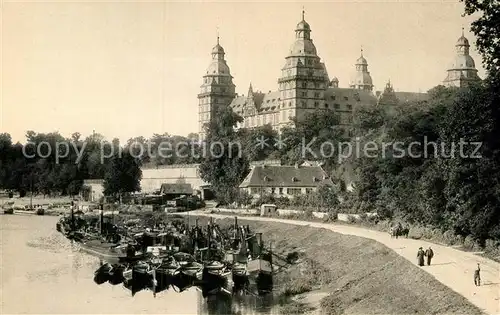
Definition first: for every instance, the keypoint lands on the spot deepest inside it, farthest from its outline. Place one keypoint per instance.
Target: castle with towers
(305, 87)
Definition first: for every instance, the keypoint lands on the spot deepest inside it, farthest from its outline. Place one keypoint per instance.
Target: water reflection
(236, 305)
(220, 303)
(44, 273)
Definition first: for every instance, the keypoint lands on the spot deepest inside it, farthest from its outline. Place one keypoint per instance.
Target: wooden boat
(40, 211)
(141, 277)
(240, 277)
(192, 269)
(116, 274)
(8, 211)
(261, 275)
(106, 251)
(181, 281)
(216, 278)
(169, 266)
(103, 274)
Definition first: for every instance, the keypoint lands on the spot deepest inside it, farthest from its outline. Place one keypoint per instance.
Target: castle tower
(362, 79)
(304, 78)
(217, 88)
(388, 96)
(250, 109)
(463, 69)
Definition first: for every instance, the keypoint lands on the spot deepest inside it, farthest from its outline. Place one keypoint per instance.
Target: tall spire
(361, 50)
(250, 90)
(462, 31)
(303, 13)
(217, 35)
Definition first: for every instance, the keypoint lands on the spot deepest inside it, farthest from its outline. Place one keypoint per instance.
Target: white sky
(131, 69)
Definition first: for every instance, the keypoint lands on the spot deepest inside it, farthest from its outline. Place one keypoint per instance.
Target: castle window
(304, 94)
(303, 103)
(349, 107)
(274, 99)
(316, 94)
(337, 106)
(289, 104)
(349, 119)
(316, 104)
(346, 98)
(332, 97)
(326, 105)
(304, 84)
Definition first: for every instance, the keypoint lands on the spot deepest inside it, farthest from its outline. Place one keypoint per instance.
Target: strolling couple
(429, 253)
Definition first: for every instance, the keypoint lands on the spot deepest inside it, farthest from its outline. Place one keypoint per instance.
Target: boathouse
(172, 191)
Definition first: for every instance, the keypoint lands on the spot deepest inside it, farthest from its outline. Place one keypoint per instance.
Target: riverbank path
(452, 267)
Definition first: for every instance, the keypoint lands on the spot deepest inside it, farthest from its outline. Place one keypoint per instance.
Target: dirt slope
(394, 282)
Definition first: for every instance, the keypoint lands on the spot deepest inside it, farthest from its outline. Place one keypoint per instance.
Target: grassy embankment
(339, 274)
(491, 249)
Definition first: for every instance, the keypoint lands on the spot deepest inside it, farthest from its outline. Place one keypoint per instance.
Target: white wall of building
(152, 178)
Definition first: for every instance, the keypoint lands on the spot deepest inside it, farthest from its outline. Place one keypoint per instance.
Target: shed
(172, 191)
(268, 210)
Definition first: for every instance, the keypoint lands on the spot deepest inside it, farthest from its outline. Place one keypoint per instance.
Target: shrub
(297, 286)
(469, 243)
(351, 219)
(416, 232)
(492, 246)
(449, 238)
(363, 217)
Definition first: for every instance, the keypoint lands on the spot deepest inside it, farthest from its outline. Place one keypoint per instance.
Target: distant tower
(217, 89)
(388, 96)
(361, 79)
(304, 78)
(388, 99)
(463, 69)
(250, 109)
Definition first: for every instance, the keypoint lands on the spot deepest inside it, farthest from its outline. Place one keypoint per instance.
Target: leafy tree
(224, 165)
(122, 176)
(487, 31)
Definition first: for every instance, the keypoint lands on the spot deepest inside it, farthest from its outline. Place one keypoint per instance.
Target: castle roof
(270, 102)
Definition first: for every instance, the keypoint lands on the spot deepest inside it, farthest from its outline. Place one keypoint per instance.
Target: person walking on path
(429, 253)
(420, 256)
(477, 276)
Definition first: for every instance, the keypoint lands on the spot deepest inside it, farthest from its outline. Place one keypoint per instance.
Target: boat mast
(31, 194)
(271, 255)
(209, 231)
(72, 215)
(101, 213)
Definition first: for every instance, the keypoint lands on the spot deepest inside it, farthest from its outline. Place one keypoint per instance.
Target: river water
(41, 272)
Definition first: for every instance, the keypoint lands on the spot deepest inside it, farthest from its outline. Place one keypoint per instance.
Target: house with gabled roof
(285, 181)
